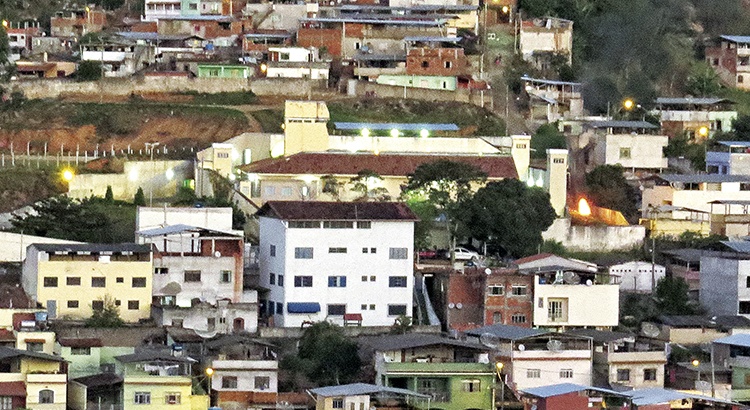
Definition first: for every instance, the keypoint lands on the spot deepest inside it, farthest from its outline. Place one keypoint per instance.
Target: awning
(13, 389)
(303, 307)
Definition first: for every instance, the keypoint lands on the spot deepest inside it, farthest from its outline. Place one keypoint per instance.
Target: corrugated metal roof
(93, 247)
(735, 143)
(394, 22)
(359, 389)
(621, 124)
(7, 352)
(738, 246)
(656, 395)
(730, 202)
(692, 101)
(268, 35)
(379, 57)
(433, 39)
(740, 339)
(153, 355)
(339, 211)
(545, 81)
(399, 126)
(698, 178)
(565, 388)
(179, 228)
(507, 332)
(601, 335)
(413, 340)
(737, 39)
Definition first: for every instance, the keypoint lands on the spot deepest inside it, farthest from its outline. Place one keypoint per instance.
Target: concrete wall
(723, 284)
(219, 219)
(382, 90)
(595, 238)
(152, 176)
(139, 85)
(13, 245)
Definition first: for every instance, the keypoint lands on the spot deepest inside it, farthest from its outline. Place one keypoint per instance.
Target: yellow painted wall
(305, 127)
(32, 365)
(6, 316)
(38, 382)
(48, 337)
(159, 387)
(85, 294)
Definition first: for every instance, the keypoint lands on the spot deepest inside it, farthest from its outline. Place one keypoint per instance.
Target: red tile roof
(14, 297)
(80, 342)
(533, 258)
(496, 166)
(13, 389)
(349, 211)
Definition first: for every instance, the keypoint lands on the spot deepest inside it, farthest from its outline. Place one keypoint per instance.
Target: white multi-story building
(725, 281)
(328, 260)
(637, 276)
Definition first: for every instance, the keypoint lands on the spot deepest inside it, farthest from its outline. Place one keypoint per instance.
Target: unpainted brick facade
(508, 298)
(436, 61)
(330, 38)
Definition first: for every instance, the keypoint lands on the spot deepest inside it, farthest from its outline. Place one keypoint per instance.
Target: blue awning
(303, 307)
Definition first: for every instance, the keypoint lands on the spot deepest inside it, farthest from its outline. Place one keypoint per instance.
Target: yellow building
(32, 380)
(155, 380)
(73, 280)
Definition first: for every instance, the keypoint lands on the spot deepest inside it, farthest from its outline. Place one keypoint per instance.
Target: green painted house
(224, 71)
(455, 374)
(432, 82)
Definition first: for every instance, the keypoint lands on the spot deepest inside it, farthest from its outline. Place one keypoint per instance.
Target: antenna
(489, 340)
(650, 330)
(554, 345)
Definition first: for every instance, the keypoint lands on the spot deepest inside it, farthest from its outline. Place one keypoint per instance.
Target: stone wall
(145, 85)
(361, 88)
(352, 331)
(595, 238)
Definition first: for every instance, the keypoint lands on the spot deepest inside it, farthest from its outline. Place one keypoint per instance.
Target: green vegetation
(270, 120)
(89, 71)
(22, 186)
(546, 137)
(222, 98)
(608, 188)
(140, 198)
(108, 317)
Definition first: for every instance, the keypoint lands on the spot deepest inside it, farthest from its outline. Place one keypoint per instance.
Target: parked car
(428, 254)
(462, 254)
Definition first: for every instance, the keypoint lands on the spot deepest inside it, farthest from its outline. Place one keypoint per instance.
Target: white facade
(155, 9)
(595, 305)
(351, 267)
(245, 376)
(695, 196)
(218, 219)
(725, 286)
(530, 363)
(634, 151)
(293, 54)
(638, 276)
(313, 71)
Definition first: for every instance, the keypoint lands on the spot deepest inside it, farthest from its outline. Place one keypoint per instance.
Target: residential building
(198, 279)
(224, 71)
(672, 221)
(535, 357)
(725, 281)
(552, 100)
(436, 62)
(631, 144)
(223, 31)
(729, 158)
(158, 379)
(365, 396)
(32, 380)
(542, 38)
(156, 9)
(625, 360)
(245, 372)
(210, 218)
(279, 17)
(569, 396)
(455, 374)
(370, 66)
(694, 329)
(50, 69)
(730, 58)
(695, 192)
(695, 116)
(462, 304)
(637, 276)
(432, 82)
(73, 280)
(119, 56)
(22, 324)
(686, 264)
(75, 23)
(734, 352)
(256, 44)
(19, 39)
(508, 298)
(98, 390)
(83, 355)
(369, 243)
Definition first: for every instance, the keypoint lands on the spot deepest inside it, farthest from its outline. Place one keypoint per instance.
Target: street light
(703, 131)
(68, 175)
(151, 145)
(499, 369)
(424, 133)
(365, 132)
(209, 373)
(628, 104)
(394, 133)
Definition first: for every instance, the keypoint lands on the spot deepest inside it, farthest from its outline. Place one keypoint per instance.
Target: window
(364, 225)
(35, 346)
(193, 6)
(72, 304)
(740, 79)
(229, 382)
(280, 308)
(519, 290)
(119, 280)
(372, 278)
(139, 282)
(396, 310)
(397, 282)
(337, 403)
(273, 250)
(497, 318)
(448, 64)
(303, 281)
(471, 386)
(336, 250)
(172, 398)
(50, 282)
(624, 152)
(73, 281)
(225, 276)
(304, 225)
(80, 351)
(425, 64)
(192, 276)
(566, 373)
(623, 375)
(336, 310)
(398, 253)
(46, 397)
(97, 305)
(557, 310)
(118, 302)
(747, 282)
(142, 397)
(497, 290)
(745, 307)
(286, 191)
(649, 374)
(518, 318)
(98, 282)
(365, 250)
(303, 253)
(337, 281)
(133, 305)
(533, 373)
(262, 382)
(364, 278)
(161, 271)
(280, 280)
(338, 224)
(558, 160)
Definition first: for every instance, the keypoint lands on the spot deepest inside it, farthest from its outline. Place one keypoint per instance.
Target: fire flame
(583, 207)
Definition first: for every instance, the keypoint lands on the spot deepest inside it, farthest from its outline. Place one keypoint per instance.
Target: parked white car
(463, 254)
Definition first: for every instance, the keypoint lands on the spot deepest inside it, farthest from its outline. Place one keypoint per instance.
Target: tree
(367, 184)
(702, 81)
(108, 316)
(328, 355)
(7, 67)
(448, 186)
(608, 188)
(510, 215)
(109, 196)
(89, 71)
(672, 297)
(427, 213)
(546, 137)
(139, 199)
(331, 186)
(62, 217)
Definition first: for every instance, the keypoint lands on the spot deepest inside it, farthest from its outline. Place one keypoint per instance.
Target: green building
(456, 375)
(433, 82)
(224, 71)
(189, 8)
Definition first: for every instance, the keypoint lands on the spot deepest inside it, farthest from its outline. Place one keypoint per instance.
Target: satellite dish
(589, 282)
(459, 305)
(488, 271)
(521, 347)
(650, 330)
(451, 305)
(571, 278)
(206, 334)
(554, 345)
(489, 340)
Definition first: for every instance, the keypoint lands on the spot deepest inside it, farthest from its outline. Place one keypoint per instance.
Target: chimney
(520, 150)
(556, 179)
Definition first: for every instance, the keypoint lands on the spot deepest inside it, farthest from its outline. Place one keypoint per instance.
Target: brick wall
(436, 61)
(507, 305)
(328, 38)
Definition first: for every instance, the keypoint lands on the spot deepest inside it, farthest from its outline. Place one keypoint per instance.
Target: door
(238, 324)
(51, 309)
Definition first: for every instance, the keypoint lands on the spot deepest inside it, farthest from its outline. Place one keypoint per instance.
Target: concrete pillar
(520, 150)
(556, 179)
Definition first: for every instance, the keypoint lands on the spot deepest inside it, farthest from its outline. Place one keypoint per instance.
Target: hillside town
(374, 205)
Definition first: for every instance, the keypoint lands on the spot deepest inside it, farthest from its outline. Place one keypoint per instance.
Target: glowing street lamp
(703, 131)
(395, 133)
(628, 104)
(68, 175)
(365, 132)
(209, 373)
(424, 133)
(506, 9)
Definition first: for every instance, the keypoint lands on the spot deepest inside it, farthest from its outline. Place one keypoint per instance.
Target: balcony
(438, 368)
(12, 377)
(43, 378)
